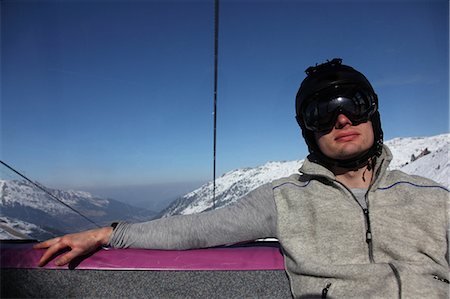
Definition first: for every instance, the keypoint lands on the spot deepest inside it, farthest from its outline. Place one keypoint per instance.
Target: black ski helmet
(324, 78)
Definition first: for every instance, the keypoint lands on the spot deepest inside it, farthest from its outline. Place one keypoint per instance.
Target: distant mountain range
(24, 209)
(425, 156)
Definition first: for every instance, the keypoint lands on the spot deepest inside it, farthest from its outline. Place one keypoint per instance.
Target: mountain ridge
(32, 211)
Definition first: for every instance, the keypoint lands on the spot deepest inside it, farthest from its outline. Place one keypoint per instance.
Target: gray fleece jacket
(397, 247)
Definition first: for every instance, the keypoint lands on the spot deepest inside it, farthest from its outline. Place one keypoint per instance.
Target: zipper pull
(368, 231)
(325, 290)
(368, 236)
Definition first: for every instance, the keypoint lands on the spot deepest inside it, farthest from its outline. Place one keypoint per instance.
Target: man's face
(345, 141)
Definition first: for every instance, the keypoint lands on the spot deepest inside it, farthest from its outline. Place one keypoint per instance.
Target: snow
(434, 165)
(17, 225)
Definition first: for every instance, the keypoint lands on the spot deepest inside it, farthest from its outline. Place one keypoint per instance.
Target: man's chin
(349, 152)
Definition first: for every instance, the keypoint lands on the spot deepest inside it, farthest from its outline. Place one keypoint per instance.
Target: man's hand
(79, 243)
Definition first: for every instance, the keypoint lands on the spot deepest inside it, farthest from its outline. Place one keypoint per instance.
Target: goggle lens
(320, 114)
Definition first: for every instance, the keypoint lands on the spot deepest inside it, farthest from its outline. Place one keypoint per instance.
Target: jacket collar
(313, 168)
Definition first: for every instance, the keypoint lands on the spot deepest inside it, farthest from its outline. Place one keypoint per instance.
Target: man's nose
(342, 121)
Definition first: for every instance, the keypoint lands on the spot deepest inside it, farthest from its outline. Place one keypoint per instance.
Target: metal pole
(216, 59)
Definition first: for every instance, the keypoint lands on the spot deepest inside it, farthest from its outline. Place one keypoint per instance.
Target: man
(348, 227)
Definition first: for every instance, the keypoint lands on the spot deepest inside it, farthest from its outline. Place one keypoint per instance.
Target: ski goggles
(321, 111)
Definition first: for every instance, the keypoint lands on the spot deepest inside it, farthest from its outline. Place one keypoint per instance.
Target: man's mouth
(344, 137)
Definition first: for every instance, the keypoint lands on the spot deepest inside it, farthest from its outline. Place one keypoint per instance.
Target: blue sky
(109, 93)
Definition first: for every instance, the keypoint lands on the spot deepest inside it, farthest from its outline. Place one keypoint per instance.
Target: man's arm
(252, 217)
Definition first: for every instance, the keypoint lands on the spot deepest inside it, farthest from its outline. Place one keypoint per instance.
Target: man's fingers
(50, 252)
(68, 257)
(47, 244)
(78, 243)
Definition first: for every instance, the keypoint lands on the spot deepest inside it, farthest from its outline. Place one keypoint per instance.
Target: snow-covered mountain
(425, 156)
(28, 210)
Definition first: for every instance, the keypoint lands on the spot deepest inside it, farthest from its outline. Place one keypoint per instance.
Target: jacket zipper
(397, 277)
(369, 235)
(367, 220)
(441, 279)
(366, 213)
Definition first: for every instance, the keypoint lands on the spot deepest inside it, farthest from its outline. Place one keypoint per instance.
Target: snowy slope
(230, 187)
(431, 160)
(434, 165)
(13, 229)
